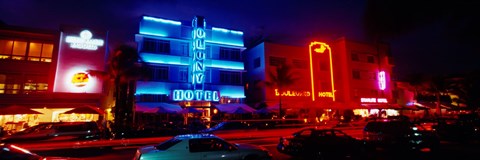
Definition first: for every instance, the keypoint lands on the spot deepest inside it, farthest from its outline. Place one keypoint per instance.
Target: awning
(17, 109)
(377, 106)
(86, 109)
(156, 107)
(234, 108)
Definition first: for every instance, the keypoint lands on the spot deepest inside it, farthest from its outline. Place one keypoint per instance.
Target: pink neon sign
(381, 80)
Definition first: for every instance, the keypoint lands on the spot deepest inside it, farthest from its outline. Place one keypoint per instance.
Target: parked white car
(201, 147)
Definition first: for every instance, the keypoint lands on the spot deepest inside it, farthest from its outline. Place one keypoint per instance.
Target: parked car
(463, 129)
(201, 146)
(396, 135)
(322, 143)
(56, 131)
(12, 152)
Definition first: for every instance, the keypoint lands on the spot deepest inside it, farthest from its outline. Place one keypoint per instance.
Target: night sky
(425, 37)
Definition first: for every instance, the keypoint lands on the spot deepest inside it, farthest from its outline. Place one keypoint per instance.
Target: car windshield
(167, 144)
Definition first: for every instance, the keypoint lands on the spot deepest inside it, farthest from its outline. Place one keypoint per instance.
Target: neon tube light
(226, 30)
(323, 47)
(381, 80)
(162, 20)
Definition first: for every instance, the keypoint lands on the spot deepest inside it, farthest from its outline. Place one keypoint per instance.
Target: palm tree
(125, 67)
(281, 77)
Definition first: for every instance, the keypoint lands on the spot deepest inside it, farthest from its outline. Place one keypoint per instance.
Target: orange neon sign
(321, 47)
(292, 93)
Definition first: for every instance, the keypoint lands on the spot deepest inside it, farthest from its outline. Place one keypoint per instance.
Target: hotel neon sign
(198, 67)
(381, 80)
(84, 41)
(293, 93)
(373, 100)
(321, 49)
(199, 95)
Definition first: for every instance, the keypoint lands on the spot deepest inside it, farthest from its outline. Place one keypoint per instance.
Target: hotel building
(333, 76)
(192, 65)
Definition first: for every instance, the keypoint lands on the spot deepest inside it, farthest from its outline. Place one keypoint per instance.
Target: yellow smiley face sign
(80, 79)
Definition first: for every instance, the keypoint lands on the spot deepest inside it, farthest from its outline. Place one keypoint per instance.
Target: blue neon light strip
(162, 20)
(153, 87)
(226, 64)
(177, 60)
(164, 59)
(230, 91)
(165, 88)
(153, 34)
(227, 30)
(226, 43)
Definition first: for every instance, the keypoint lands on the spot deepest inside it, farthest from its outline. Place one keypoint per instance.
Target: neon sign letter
(198, 67)
(321, 49)
(381, 80)
(198, 95)
(84, 41)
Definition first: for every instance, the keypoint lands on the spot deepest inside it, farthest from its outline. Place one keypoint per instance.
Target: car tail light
(284, 141)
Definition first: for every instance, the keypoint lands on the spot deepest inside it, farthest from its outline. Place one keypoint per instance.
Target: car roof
(195, 136)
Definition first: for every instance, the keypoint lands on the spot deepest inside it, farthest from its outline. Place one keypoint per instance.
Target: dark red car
(321, 143)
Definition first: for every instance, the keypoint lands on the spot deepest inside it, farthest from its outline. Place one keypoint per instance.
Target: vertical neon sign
(198, 67)
(382, 84)
(320, 47)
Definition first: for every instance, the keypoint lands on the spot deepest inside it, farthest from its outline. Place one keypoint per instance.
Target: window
(208, 52)
(356, 74)
(208, 76)
(256, 62)
(355, 57)
(230, 54)
(17, 50)
(40, 52)
(6, 47)
(324, 67)
(207, 145)
(276, 61)
(30, 87)
(152, 98)
(156, 46)
(158, 73)
(183, 74)
(185, 49)
(3, 79)
(167, 144)
(227, 77)
(370, 59)
(298, 63)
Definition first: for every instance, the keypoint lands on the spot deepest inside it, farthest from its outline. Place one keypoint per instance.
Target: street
(447, 150)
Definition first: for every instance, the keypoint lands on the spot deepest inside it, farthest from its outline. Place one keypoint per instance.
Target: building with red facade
(46, 71)
(328, 78)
